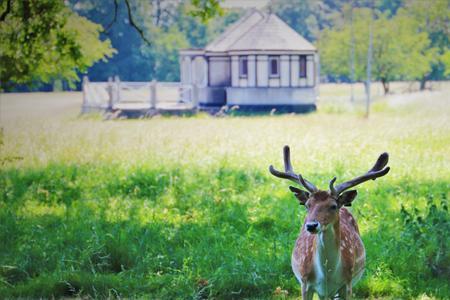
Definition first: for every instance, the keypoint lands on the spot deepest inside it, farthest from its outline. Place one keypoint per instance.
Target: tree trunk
(369, 61)
(385, 85)
(423, 83)
(352, 57)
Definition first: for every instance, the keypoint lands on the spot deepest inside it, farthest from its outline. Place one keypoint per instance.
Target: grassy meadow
(185, 208)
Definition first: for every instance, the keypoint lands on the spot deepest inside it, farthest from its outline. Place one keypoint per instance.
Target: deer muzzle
(312, 227)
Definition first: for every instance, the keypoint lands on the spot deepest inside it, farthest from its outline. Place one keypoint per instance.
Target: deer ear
(301, 195)
(345, 199)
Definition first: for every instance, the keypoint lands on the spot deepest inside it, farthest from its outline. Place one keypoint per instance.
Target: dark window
(274, 66)
(243, 67)
(302, 66)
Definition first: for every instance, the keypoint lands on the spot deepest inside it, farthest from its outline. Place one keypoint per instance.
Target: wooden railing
(116, 94)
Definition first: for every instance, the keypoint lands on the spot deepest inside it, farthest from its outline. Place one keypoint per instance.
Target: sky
(244, 3)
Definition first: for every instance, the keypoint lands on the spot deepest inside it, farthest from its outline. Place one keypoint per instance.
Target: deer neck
(327, 256)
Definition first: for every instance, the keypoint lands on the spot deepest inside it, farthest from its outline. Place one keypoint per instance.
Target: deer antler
(376, 171)
(290, 174)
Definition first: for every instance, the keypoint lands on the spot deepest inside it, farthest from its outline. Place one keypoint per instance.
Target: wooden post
(194, 99)
(110, 93)
(352, 56)
(153, 94)
(117, 81)
(369, 61)
(85, 93)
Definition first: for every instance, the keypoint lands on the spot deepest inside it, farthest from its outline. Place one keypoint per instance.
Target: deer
(329, 256)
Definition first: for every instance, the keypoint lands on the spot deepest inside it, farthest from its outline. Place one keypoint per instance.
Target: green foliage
(6, 159)
(176, 208)
(164, 53)
(44, 40)
(166, 234)
(310, 17)
(427, 237)
(446, 61)
(307, 17)
(169, 26)
(49, 41)
(399, 52)
(432, 18)
(206, 9)
(410, 41)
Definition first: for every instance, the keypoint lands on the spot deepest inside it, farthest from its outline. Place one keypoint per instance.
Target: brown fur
(347, 236)
(321, 196)
(351, 245)
(304, 254)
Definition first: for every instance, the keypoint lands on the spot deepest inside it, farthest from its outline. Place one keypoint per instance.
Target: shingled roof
(259, 31)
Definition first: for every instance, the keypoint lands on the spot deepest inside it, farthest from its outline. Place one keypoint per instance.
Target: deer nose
(312, 226)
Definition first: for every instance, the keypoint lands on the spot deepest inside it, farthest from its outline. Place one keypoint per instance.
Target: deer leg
(342, 292)
(348, 291)
(307, 293)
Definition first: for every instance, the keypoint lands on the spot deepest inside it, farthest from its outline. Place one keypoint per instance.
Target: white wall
(310, 70)
(302, 82)
(235, 71)
(295, 70)
(243, 82)
(219, 71)
(274, 82)
(262, 70)
(251, 71)
(223, 71)
(200, 71)
(270, 96)
(285, 70)
(186, 72)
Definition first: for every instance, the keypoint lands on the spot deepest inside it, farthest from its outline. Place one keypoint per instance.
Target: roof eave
(271, 52)
(192, 51)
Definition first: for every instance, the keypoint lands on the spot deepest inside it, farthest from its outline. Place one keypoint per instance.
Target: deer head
(323, 206)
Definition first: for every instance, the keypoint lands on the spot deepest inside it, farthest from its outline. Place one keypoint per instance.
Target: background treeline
(411, 38)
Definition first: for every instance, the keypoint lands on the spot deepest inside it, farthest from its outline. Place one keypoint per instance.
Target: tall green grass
(180, 208)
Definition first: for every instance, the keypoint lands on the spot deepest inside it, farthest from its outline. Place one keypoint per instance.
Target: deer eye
(333, 207)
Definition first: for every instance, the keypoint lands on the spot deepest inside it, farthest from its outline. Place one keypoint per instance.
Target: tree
(206, 9)
(399, 52)
(307, 17)
(167, 25)
(432, 18)
(44, 40)
(369, 62)
(129, 62)
(47, 40)
(335, 48)
(445, 58)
